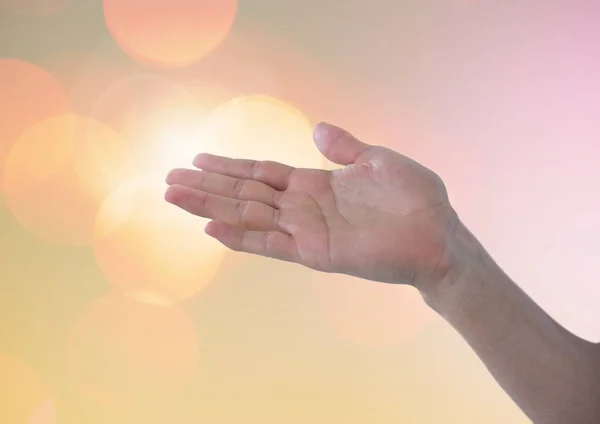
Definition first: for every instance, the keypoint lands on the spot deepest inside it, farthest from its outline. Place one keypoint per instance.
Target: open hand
(382, 217)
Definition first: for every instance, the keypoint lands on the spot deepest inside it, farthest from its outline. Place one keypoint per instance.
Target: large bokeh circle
(169, 33)
(28, 94)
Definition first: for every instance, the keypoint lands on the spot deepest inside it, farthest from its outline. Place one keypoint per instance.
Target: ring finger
(252, 215)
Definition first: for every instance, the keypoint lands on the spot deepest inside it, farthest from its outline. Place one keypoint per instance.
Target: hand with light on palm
(382, 217)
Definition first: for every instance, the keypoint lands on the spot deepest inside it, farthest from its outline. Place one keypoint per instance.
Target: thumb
(337, 144)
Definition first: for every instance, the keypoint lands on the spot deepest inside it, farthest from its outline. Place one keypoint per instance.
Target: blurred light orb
(28, 94)
(260, 128)
(158, 116)
(151, 250)
(58, 174)
(371, 314)
(169, 33)
(22, 391)
(34, 7)
(167, 139)
(121, 343)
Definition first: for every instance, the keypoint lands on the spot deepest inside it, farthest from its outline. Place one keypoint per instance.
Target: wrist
(467, 260)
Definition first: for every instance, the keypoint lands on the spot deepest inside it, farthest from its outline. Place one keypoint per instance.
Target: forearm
(552, 375)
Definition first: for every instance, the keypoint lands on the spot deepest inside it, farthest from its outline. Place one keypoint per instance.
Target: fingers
(338, 145)
(275, 174)
(247, 214)
(272, 244)
(224, 185)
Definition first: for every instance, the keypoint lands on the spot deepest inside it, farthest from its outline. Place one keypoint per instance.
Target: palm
(382, 217)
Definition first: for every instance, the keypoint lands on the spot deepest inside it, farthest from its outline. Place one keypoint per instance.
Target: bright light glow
(260, 128)
(150, 249)
(159, 117)
(170, 139)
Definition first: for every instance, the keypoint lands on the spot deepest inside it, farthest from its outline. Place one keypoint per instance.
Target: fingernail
(197, 162)
(209, 229)
(321, 131)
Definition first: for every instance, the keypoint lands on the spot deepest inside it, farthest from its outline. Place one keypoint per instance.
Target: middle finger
(223, 185)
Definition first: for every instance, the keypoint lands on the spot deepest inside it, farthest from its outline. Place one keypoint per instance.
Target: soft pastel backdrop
(116, 308)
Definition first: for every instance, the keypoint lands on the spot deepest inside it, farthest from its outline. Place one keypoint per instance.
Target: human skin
(386, 218)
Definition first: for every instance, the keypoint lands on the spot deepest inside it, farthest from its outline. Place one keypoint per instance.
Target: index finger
(275, 174)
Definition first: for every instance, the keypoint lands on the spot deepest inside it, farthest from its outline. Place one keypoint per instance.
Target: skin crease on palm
(382, 217)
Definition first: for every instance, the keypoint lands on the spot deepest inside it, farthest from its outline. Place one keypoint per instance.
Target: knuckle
(204, 200)
(201, 178)
(276, 217)
(276, 199)
(242, 211)
(269, 243)
(238, 188)
(256, 169)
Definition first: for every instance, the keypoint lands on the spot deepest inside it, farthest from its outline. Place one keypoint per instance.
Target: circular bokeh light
(119, 342)
(151, 250)
(169, 33)
(260, 128)
(58, 174)
(28, 94)
(22, 392)
(369, 313)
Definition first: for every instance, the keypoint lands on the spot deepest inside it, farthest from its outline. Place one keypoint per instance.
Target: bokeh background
(116, 308)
